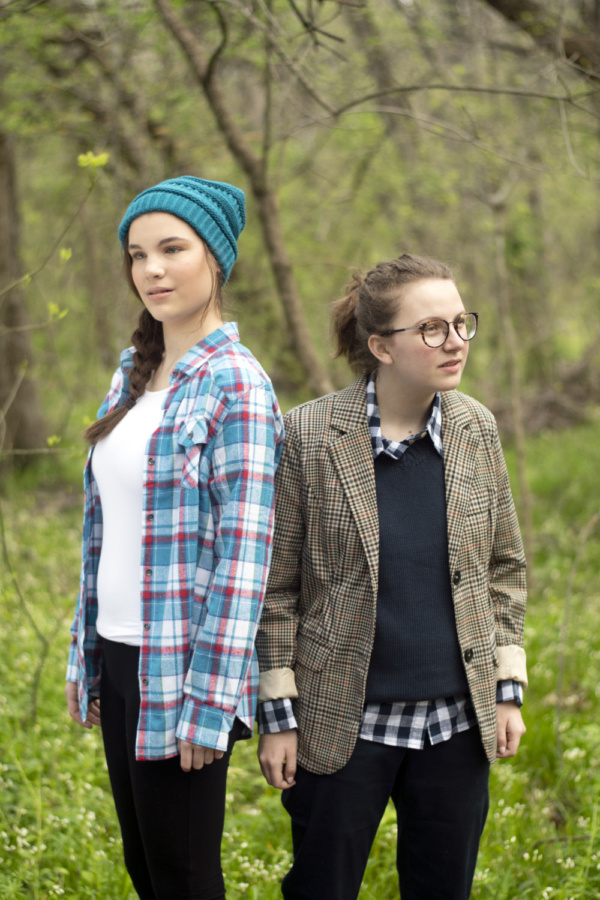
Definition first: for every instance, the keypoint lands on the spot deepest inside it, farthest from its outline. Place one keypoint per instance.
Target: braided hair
(149, 348)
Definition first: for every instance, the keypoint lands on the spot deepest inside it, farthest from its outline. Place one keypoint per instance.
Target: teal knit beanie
(214, 209)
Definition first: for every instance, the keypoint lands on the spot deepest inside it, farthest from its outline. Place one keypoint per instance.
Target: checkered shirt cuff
(275, 715)
(509, 690)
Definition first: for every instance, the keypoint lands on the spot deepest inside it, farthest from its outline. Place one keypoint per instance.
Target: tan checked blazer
(317, 629)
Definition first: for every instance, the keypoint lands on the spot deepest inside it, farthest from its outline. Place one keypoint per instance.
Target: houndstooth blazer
(316, 633)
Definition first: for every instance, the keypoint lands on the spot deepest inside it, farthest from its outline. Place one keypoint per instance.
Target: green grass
(58, 832)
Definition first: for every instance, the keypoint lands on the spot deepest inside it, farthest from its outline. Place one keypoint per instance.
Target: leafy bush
(58, 830)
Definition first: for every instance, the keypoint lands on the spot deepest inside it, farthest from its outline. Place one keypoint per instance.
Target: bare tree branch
(9, 402)
(469, 89)
(264, 195)
(25, 279)
(279, 49)
(545, 29)
(6, 11)
(567, 139)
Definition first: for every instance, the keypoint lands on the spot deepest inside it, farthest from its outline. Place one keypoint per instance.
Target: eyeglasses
(435, 332)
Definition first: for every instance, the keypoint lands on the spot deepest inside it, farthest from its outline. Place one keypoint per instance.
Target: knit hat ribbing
(215, 210)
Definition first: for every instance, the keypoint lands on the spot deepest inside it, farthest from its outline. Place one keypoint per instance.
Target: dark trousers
(441, 798)
(171, 821)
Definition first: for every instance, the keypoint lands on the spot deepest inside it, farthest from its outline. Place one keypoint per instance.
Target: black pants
(441, 799)
(171, 820)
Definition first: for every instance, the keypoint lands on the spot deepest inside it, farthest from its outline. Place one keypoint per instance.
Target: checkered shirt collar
(194, 358)
(395, 449)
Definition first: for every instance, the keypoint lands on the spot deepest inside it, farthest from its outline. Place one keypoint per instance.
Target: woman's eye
(137, 255)
(172, 249)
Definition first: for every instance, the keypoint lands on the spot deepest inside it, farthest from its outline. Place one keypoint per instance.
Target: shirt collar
(395, 449)
(194, 358)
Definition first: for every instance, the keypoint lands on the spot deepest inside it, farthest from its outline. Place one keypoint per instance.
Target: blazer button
(456, 578)
(468, 655)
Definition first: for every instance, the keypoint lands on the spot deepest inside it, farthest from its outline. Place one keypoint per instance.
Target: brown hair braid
(149, 347)
(372, 301)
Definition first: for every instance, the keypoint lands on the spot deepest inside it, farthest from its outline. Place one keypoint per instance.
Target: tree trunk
(264, 196)
(21, 421)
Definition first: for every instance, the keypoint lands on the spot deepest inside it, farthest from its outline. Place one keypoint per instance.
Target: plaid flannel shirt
(400, 724)
(206, 545)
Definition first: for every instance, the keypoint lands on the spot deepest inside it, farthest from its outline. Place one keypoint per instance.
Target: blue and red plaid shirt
(206, 546)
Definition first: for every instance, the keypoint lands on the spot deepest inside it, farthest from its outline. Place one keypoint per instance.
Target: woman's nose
(154, 267)
(454, 339)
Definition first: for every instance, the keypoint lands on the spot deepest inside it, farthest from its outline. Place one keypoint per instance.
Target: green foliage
(58, 830)
(411, 172)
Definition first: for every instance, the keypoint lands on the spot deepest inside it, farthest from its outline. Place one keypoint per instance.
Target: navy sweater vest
(416, 654)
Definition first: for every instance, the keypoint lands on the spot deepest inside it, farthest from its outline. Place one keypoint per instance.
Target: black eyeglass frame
(424, 325)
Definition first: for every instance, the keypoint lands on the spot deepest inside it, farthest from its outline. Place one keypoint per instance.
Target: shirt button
(151, 461)
(150, 517)
(144, 681)
(456, 578)
(148, 572)
(146, 626)
(468, 655)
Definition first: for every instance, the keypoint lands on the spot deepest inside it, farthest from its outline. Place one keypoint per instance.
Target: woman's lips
(451, 364)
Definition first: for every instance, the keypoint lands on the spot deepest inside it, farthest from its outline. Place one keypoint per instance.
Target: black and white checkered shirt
(400, 724)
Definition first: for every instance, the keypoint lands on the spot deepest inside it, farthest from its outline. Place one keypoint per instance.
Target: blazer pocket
(311, 653)
(477, 531)
(480, 503)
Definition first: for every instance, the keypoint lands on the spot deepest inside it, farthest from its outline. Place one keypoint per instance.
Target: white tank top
(118, 469)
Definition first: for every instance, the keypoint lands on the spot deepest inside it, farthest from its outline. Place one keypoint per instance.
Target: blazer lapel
(460, 449)
(352, 456)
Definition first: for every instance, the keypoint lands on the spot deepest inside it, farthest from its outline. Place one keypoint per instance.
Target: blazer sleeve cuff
(512, 664)
(277, 683)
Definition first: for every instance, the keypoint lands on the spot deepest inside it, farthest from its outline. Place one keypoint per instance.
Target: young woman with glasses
(390, 646)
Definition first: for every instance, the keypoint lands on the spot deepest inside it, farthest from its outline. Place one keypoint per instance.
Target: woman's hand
(193, 756)
(510, 729)
(277, 757)
(72, 695)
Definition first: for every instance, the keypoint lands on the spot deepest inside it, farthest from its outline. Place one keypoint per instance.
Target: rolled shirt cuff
(275, 716)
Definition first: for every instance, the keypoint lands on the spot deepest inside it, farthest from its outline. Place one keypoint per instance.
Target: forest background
(469, 131)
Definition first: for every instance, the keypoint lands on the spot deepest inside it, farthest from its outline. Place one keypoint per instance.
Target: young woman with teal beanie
(176, 543)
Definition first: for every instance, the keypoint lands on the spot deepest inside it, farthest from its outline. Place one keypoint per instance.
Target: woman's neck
(177, 344)
(401, 412)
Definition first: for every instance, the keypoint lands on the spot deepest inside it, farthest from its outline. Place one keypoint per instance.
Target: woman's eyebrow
(174, 238)
(160, 243)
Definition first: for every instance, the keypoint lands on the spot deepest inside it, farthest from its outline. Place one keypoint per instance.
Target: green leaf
(93, 160)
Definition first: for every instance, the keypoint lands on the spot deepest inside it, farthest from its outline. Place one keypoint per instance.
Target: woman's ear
(379, 348)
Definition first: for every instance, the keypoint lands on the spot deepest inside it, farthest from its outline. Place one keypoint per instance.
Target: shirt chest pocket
(193, 438)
